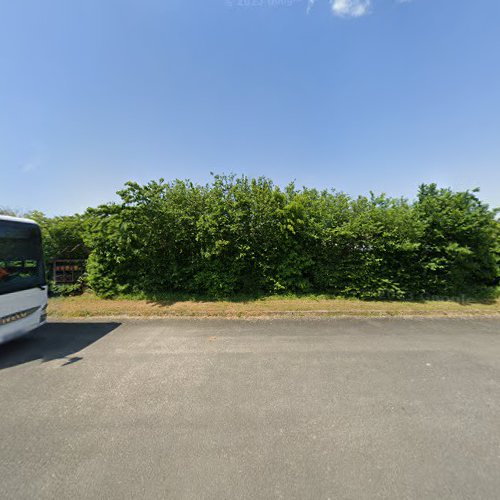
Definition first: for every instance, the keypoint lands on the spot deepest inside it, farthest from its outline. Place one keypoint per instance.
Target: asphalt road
(315, 409)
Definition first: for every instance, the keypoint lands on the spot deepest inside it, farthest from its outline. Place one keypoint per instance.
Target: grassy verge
(309, 306)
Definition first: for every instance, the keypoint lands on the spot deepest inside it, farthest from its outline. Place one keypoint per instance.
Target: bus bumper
(14, 327)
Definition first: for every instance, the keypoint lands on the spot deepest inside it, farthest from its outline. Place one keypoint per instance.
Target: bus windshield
(21, 262)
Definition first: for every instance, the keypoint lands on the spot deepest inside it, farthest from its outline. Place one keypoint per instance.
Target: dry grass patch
(91, 306)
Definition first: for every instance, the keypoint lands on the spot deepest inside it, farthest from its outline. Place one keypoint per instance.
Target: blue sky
(357, 95)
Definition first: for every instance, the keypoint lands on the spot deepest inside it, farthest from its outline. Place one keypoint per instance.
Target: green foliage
(460, 243)
(247, 236)
(62, 236)
(65, 290)
(11, 212)
(370, 250)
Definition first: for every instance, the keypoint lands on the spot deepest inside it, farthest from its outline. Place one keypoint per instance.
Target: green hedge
(241, 235)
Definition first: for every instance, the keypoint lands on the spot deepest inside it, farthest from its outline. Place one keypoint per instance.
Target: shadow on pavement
(53, 341)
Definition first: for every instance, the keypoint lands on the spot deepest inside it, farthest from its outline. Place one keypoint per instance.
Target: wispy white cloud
(33, 159)
(310, 5)
(350, 8)
(30, 165)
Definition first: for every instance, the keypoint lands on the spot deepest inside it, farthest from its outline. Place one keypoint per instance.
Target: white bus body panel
(21, 312)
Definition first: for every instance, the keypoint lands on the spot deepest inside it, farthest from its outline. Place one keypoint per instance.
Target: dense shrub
(241, 235)
(459, 247)
(62, 236)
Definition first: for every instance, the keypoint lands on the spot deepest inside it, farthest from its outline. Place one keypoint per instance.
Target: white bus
(23, 288)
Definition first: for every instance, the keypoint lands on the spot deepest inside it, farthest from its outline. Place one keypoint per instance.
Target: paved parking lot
(252, 409)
